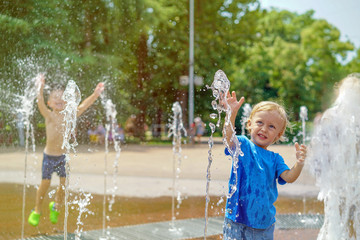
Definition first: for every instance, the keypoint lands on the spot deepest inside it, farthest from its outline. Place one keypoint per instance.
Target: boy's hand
(300, 153)
(40, 81)
(233, 103)
(99, 88)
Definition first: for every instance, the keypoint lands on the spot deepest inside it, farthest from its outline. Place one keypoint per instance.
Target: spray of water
(28, 75)
(220, 88)
(303, 117)
(72, 97)
(246, 114)
(80, 203)
(25, 113)
(110, 127)
(335, 161)
(107, 128)
(175, 130)
(208, 176)
(112, 113)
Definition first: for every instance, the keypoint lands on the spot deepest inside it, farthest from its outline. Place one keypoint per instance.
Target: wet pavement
(146, 171)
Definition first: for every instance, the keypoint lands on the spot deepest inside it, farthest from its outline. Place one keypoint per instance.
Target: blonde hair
(271, 106)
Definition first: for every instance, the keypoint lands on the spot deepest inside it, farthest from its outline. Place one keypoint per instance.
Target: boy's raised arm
(291, 175)
(40, 83)
(234, 106)
(91, 99)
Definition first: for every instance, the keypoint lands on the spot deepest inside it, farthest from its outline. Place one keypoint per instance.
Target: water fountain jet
(246, 113)
(175, 129)
(334, 160)
(110, 126)
(220, 89)
(72, 97)
(26, 111)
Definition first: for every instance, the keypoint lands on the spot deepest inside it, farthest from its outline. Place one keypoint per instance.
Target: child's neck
(57, 112)
(263, 147)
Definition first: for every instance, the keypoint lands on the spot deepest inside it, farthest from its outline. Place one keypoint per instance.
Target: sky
(343, 14)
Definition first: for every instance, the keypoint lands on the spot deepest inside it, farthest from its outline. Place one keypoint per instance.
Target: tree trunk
(142, 79)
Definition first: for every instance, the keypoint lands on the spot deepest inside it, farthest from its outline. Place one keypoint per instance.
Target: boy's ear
(280, 134)
(248, 124)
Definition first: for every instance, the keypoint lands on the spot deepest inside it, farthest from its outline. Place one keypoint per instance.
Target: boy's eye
(272, 126)
(259, 122)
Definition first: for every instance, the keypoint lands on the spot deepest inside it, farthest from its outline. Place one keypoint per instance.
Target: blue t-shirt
(252, 203)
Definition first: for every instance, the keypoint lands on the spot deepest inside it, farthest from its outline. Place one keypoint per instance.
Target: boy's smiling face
(266, 127)
(55, 100)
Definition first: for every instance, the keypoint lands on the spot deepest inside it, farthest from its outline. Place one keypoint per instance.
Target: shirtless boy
(53, 157)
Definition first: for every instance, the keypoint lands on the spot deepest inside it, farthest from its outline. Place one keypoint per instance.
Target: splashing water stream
(26, 111)
(246, 113)
(208, 176)
(72, 97)
(334, 159)
(303, 117)
(107, 127)
(81, 202)
(175, 129)
(220, 88)
(110, 126)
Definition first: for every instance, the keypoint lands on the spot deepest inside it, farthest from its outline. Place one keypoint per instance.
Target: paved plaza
(147, 171)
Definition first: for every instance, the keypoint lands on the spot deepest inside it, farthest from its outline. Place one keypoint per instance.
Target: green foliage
(293, 60)
(14, 26)
(354, 65)
(139, 48)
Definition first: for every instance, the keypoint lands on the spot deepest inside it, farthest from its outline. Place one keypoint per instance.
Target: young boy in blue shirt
(250, 213)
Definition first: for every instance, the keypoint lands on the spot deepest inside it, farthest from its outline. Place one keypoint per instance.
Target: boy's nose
(264, 129)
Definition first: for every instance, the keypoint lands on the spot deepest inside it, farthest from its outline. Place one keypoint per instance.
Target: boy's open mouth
(262, 136)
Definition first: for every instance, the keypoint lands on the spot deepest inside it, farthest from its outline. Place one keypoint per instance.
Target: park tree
(67, 40)
(140, 49)
(293, 60)
(139, 19)
(221, 32)
(55, 32)
(354, 65)
(322, 46)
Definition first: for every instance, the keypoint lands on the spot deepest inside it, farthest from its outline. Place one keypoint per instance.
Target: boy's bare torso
(54, 132)
(54, 119)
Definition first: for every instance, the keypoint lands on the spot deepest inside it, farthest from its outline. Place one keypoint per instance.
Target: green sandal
(53, 213)
(34, 218)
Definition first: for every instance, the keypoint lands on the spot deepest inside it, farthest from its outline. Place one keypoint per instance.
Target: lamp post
(191, 62)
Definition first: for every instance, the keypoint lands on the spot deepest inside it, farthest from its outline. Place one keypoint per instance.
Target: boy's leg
(34, 217)
(40, 194)
(260, 234)
(240, 231)
(59, 198)
(61, 171)
(55, 207)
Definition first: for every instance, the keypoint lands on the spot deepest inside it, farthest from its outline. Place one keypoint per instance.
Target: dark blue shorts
(53, 164)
